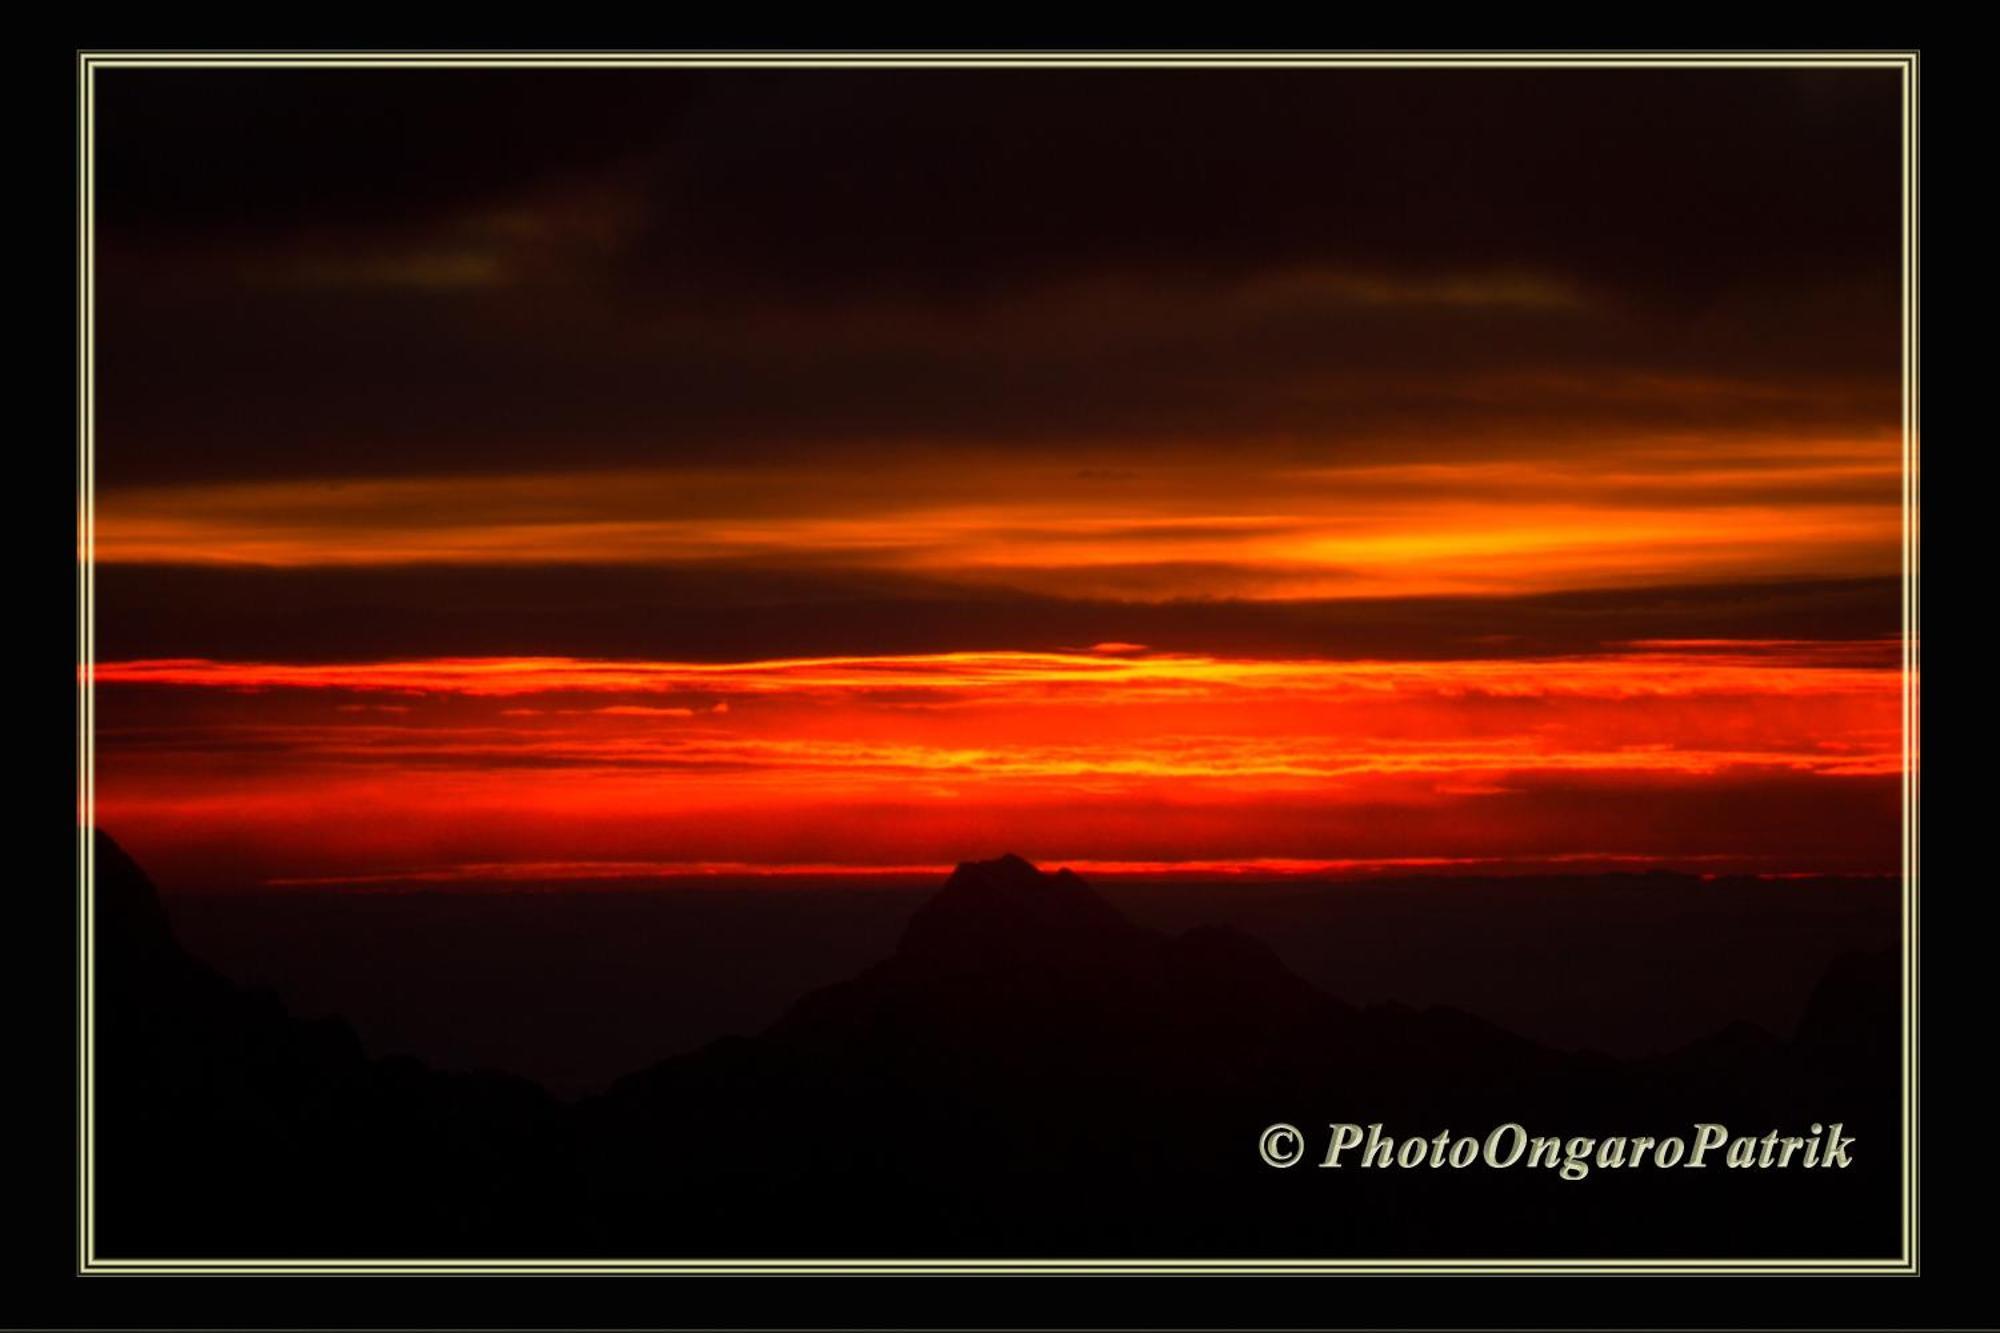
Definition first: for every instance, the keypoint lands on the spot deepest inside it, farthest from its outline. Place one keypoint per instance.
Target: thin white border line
(718, 1262)
(967, 62)
(1912, 649)
(87, 629)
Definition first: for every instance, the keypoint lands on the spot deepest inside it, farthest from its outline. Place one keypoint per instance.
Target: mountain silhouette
(1027, 1073)
(227, 1126)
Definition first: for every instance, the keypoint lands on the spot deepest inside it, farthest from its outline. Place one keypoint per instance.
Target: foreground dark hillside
(577, 985)
(1028, 1073)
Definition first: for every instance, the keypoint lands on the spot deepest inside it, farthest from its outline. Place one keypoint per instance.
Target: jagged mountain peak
(1008, 907)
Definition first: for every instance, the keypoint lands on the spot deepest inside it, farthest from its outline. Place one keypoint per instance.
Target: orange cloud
(1657, 668)
(1256, 523)
(1724, 752)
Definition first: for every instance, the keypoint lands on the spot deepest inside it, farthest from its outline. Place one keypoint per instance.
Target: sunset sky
(559, 476)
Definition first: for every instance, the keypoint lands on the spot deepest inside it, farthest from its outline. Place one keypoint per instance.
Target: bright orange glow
(1686, 753)
(1670, 667)
(1239, 524)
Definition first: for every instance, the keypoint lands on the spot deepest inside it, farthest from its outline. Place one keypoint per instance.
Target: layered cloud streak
(881, 761)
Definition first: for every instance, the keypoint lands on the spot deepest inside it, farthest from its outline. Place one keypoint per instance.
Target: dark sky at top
(327, 273)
